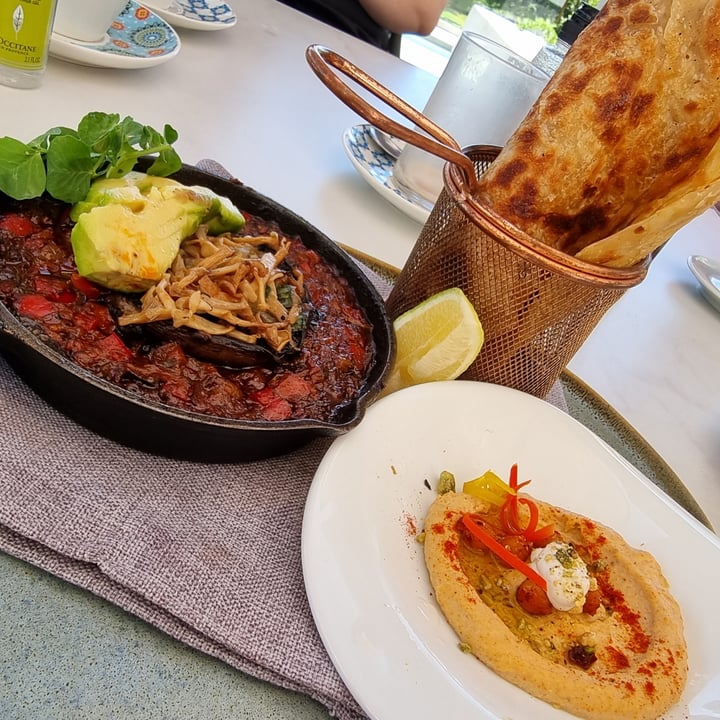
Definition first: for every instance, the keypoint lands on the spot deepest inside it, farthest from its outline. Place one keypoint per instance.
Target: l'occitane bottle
(25, 27)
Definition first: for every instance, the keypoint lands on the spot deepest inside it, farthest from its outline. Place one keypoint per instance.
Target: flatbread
(636, 632)
(623, 146)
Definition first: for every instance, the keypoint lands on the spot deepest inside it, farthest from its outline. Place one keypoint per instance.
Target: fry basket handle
(441, 144)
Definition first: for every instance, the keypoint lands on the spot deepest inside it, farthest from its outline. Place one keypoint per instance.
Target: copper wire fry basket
(537, 305)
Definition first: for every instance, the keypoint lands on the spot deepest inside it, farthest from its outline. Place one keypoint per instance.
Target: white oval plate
(707, 272)
(365, 574)
(137, 38)
(195, 14)
(375, 166)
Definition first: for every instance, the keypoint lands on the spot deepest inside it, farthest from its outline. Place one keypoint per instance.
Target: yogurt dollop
(568, 581)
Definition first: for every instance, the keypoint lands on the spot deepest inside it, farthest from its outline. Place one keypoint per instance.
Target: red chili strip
(510, 514)
(509, 518)
(541, 536)
(534, 514)
(479, 533)
(514, 477)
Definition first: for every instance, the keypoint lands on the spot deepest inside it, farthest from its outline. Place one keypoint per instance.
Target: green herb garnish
(64, 162)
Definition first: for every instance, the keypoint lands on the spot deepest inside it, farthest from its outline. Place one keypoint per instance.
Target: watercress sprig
(64, 162)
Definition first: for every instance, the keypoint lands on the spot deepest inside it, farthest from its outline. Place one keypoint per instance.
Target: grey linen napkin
(208, 553)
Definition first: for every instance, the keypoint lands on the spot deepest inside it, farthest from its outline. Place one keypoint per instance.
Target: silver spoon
(389, 143)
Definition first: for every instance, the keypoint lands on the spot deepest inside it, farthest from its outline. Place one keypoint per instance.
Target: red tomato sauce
(40, 285)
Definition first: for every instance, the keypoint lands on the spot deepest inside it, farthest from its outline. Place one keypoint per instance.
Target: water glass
(481, 97)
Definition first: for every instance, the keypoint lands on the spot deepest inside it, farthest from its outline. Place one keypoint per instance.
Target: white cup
(86, 20)
(481, 97)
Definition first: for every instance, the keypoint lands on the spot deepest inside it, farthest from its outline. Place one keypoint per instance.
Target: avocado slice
(136, 188)
(130, 190)
(128, 230)
(129, 250)
(223, 215)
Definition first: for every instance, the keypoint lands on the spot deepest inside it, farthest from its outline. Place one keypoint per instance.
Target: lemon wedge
(437, 339)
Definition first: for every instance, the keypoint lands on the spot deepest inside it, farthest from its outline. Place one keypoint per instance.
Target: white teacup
(86, 20)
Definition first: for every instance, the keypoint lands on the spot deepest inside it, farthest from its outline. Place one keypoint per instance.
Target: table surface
(247, 98)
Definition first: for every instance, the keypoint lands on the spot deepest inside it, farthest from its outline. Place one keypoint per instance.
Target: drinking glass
(481, 97)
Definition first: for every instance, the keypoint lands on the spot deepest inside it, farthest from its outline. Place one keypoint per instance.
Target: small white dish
(375, 165)
(707, 272)
(195, 14)
(365, 574)
(137, 38)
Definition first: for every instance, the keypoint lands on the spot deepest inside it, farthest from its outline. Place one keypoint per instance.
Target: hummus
(634, 635)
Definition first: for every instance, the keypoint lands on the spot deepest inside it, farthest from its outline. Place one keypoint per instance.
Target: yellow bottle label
(24, 33)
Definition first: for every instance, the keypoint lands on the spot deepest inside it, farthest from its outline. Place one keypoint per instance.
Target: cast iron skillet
(152, 427)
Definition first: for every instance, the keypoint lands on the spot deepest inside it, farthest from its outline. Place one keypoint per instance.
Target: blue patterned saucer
(707, 273)
(375, 165)
(195, 14)
(137, 38)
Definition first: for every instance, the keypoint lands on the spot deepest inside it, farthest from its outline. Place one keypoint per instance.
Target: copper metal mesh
(536, 310)
(537, 305)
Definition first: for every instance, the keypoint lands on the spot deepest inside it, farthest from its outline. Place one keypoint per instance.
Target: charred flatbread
(618, 654)
(623, 146)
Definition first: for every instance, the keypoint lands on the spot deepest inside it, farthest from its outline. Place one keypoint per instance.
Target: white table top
(247, 98)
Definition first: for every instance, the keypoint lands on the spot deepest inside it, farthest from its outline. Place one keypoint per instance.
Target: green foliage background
(541, 16)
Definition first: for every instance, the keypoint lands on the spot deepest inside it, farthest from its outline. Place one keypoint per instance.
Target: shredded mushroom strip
(228, 285)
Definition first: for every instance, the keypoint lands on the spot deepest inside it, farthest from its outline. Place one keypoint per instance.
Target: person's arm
(405, 16)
